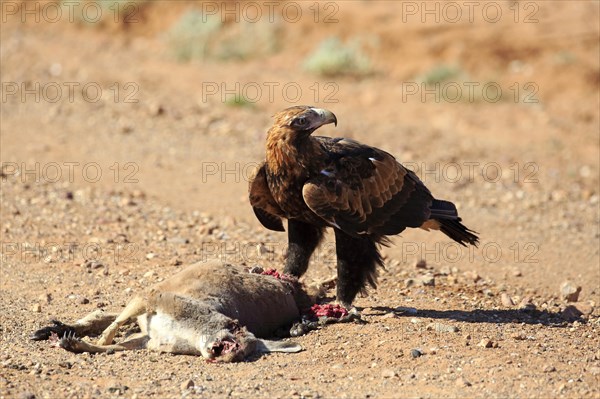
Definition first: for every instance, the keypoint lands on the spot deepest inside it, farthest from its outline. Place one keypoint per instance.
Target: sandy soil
(101, 199)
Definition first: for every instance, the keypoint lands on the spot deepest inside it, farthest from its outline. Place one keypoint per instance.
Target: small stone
(103, 272)
(36, 308)
(118, 388)
(415, 353)
(65, 364)
(452, 279)
(26, 395)
(422, 264)
(55, 69)
(187, 384)
(149, 274)
(45, 298)
(485, 343)
(549, 369)
(517, 273)
(95, 240)
(175, 261)
(526, 303)
(441, 327)
(409, 282)
(150, 256)
(595, 370)
(178, 240)
(558, 195)
(125, 127)
(570, 291)
(506, 300)
(93, 264)
(461, 382)
(84, 301)
(155, 109)
(387, 373)
(427, 280)
(473, 276)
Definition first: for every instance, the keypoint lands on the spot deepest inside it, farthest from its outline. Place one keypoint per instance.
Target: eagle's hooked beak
(326, 116)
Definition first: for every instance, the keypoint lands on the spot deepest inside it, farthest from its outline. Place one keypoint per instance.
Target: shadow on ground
(527, 316)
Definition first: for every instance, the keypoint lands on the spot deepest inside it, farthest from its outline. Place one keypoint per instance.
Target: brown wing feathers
(365, 190)
(264, 205)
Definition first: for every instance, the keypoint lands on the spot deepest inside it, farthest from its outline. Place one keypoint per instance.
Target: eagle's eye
(301, 121)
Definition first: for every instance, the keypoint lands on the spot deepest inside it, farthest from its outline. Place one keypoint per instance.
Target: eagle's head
(299, 121)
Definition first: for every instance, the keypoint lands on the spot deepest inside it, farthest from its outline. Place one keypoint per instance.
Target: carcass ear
(266, 346)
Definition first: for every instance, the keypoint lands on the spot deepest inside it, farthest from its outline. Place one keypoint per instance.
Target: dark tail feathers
(445, 213)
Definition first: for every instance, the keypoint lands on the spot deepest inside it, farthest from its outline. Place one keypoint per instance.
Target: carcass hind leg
(136, 307)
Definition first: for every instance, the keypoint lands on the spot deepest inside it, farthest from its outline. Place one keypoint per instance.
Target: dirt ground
(142, 168)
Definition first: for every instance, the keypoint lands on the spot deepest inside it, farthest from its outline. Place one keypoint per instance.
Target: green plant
(191, 36)
(565, 57)
(246, 40)
(441, 73)
(334, 58)
(197, 37)
(239, 101)
(451, 83)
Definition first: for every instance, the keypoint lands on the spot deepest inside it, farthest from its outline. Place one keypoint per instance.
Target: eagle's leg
(357, 261)
(303, 239)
